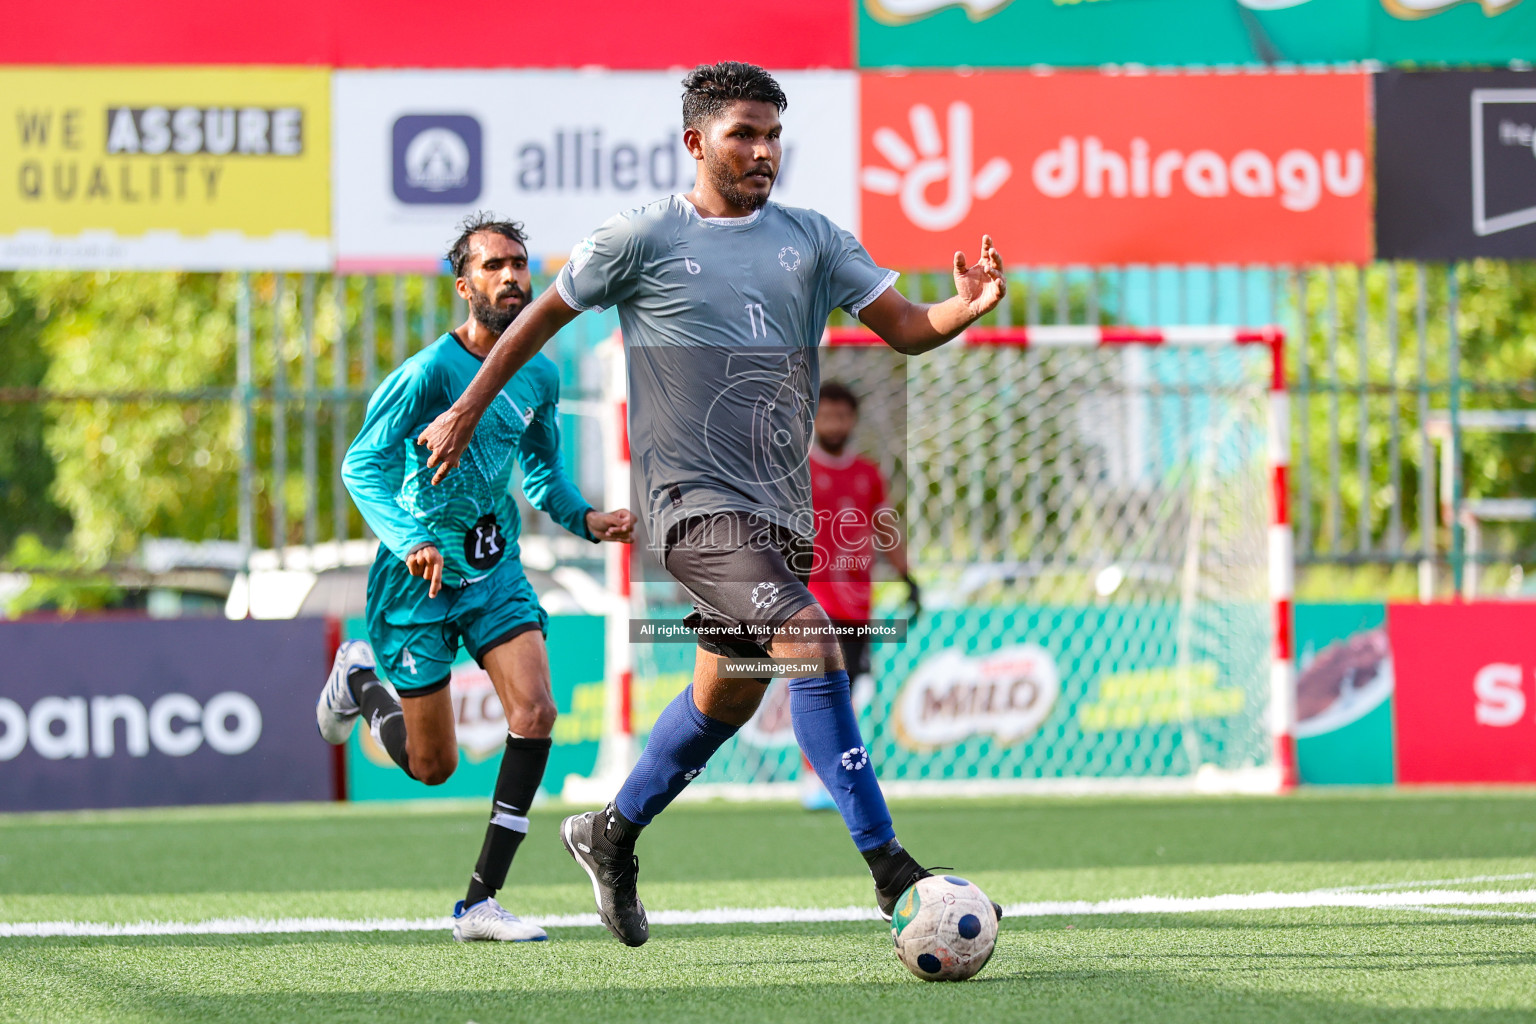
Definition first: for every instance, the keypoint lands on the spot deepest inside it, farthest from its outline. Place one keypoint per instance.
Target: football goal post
(1098, 518)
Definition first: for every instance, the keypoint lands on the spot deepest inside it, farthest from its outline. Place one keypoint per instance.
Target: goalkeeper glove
(914, 595)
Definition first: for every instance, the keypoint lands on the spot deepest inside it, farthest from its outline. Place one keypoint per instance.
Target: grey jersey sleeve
(604, 267)
(856, 279)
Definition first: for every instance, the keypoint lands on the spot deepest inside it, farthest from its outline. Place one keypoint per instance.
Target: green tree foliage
(143, 434)
(1496, 322)
(57, 583)
(26, 468)
(141, 464)
(160, 456)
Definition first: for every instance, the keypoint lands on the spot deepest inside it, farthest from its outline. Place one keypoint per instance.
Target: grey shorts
(746, 576)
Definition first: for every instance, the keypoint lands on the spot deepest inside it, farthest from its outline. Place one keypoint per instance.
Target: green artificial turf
(1334, 965)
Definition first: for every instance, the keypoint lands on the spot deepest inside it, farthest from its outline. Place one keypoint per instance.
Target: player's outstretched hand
(617, 526)
(427, 562)
(982, 286)
(447, 437)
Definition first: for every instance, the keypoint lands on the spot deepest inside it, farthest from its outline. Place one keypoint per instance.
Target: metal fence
(1414, 443)
(1414, 406)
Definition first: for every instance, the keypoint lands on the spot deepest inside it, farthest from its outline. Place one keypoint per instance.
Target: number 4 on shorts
(408, 661)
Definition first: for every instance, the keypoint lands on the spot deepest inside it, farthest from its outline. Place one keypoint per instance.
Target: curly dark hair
(710, 88)
(481, 220)
(837, 391)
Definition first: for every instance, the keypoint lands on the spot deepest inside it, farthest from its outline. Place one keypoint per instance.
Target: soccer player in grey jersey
(723, 297)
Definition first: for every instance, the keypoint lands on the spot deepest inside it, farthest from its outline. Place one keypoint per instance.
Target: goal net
(1092, 513)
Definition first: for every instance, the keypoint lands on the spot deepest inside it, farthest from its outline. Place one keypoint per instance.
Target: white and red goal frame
(619, 746)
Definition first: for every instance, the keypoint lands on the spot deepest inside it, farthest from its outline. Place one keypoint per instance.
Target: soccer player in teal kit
(447, 570)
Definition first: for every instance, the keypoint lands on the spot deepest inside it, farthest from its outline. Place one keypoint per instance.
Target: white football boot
(336, 709)
(490, 920)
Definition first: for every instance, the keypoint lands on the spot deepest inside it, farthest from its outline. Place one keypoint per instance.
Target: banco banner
(165, 168)
(145, 713)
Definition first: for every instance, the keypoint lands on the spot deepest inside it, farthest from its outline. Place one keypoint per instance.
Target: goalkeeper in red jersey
(855, 524)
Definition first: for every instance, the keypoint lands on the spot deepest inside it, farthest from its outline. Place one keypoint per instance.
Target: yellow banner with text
(165, 168)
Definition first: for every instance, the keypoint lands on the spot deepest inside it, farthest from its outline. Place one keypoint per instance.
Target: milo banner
(1019, 33)
(1344, 684)
(576, 676)
(1040, 693)
(165, 168)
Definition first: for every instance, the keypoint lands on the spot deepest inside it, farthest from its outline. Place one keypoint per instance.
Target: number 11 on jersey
(756, 318)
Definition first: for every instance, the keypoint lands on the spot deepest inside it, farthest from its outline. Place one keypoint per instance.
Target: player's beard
(492, 317)
(728, 184)
(832, 445)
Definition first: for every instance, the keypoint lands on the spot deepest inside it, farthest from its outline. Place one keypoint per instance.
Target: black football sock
(619, 830)
(889, 864)
(381, 711)
(522, 769)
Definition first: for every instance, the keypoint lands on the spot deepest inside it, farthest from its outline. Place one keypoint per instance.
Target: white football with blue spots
(944, 928)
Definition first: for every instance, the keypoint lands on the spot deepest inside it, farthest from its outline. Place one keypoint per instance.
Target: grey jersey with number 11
(721, 321)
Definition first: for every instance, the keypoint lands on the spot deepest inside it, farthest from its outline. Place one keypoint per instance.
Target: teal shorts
(416, 638)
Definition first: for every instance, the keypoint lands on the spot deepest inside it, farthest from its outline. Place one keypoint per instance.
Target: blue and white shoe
(490, 921)
(336, 709)
(814, 796)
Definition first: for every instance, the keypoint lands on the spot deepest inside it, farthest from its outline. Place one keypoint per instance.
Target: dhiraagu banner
(1019, 33)
(179, 168)
(576, 677)
(1344, 685)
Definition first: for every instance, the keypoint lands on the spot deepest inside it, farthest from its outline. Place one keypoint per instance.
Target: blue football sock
(680, 746)
(821, 710)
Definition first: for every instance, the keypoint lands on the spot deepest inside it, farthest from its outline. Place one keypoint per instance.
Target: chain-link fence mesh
(1091, 528)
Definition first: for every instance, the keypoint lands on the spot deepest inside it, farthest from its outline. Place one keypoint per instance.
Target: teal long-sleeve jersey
(470, 517)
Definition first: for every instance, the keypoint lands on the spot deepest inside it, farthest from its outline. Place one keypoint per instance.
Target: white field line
(1423, 882)
(1411, 900)
(1467, 912)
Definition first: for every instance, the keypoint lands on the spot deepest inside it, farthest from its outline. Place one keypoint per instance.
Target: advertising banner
(1116, 169)
(576, 676)
(1031, 692)
(166, 168)
(560, 151)
(1466, 691)
(420, 34)
(1343, 694)
(1456, 164)
(143, 713)
(1019, 33)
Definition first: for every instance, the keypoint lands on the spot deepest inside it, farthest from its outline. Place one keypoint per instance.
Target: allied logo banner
(1116, 169)
(1456, 164)
(165, 169)
(561, 151)
(1065, 33)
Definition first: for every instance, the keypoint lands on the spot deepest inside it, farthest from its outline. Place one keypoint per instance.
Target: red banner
(418, 34)
(1466, 691)
(1116, 169)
